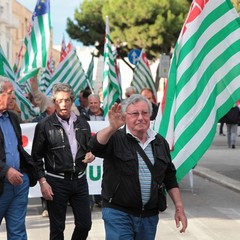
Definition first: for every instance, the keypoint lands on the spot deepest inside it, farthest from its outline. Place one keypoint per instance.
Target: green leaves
(153, 25)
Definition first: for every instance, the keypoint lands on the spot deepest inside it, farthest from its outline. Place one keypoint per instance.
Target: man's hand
(181, 217)
(89, 157)
(14, 176)
(115, 116)
(46, 189)
(116, 120)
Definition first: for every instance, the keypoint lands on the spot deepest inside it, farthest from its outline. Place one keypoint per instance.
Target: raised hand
(115, 116)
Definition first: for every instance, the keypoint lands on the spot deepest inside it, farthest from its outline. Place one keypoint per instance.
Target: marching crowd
(62, 148)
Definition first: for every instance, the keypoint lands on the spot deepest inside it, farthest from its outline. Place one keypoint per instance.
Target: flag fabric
(63, 52)
(5, 68)
(17, 61)
(69, 71)
(37, 41)
(90, 74)
(204, 81)
(46, 75)
(23, 103)
(119, 78)
(50, 64)
(142, 76)
(111, 88)
(45, 80)
(27, 87)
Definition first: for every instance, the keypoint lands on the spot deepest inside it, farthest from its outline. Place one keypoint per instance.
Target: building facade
(8, 23)
(14, 22)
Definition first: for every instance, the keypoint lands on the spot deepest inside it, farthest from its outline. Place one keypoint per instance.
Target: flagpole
(119, 52)
(90, 86)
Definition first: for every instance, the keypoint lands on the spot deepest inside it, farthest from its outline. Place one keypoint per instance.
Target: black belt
(67, 175)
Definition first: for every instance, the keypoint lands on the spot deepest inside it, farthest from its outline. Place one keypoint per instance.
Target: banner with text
(93, 171)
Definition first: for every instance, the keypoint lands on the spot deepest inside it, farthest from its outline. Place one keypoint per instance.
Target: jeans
(232, 134)
(13, 208)
(76, 193)
(123, 226)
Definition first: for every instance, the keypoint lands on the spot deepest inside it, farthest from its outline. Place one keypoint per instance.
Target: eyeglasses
(10, 92)
(58, 101)
(137, 114)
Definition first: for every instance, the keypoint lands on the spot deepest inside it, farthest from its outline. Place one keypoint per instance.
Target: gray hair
(131, 89)
(94, 96)
(3, 80)
(135, 98)
(62, 87)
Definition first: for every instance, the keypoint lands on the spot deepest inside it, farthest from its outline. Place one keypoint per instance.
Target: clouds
(60, 11)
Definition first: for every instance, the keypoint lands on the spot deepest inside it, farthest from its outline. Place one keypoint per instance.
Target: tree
(88, 25)
(153, 25)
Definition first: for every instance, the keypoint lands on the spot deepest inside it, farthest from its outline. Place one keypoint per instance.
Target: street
(213, 213)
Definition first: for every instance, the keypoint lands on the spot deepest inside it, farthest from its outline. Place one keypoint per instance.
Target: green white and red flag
(37, 42)
(89, 74)
(46, 75)
(17, 61)
(63, 52)
(142, 76)
(203, 83)
(111, 88)
(69, 71)
(25, 106)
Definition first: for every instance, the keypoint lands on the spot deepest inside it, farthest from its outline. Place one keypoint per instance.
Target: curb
(218, 178)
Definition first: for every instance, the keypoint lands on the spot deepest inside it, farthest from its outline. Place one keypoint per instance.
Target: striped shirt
(143, 170)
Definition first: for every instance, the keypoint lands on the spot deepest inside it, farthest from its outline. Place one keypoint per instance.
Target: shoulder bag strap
(145, 158)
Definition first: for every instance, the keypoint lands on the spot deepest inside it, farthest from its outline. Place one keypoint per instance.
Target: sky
(60, 11)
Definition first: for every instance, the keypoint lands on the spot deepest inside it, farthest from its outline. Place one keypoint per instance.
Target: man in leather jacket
(129, 191)
(17, 170)
(61, 154)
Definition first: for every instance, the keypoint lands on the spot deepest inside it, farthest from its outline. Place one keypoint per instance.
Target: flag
(142, 76)
(45, 80)
(50, 64)
(23, 103)
(90, 74)
(17, 61)
(111, 88)
(46, 75)
(204, 81)
(69, 71)
(37, 41)
(5, 68)
(27, 87)
(63, 52)
(119, 78)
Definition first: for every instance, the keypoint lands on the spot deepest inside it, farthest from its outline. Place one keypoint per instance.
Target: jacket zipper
(110, 199)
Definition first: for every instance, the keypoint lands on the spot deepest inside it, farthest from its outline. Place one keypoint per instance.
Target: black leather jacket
(26, 162)
(51, 144)
(120, 184)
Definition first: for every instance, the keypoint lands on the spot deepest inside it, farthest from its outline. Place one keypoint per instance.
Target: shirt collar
(150, 134)
(72, 118)
(4, 115)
